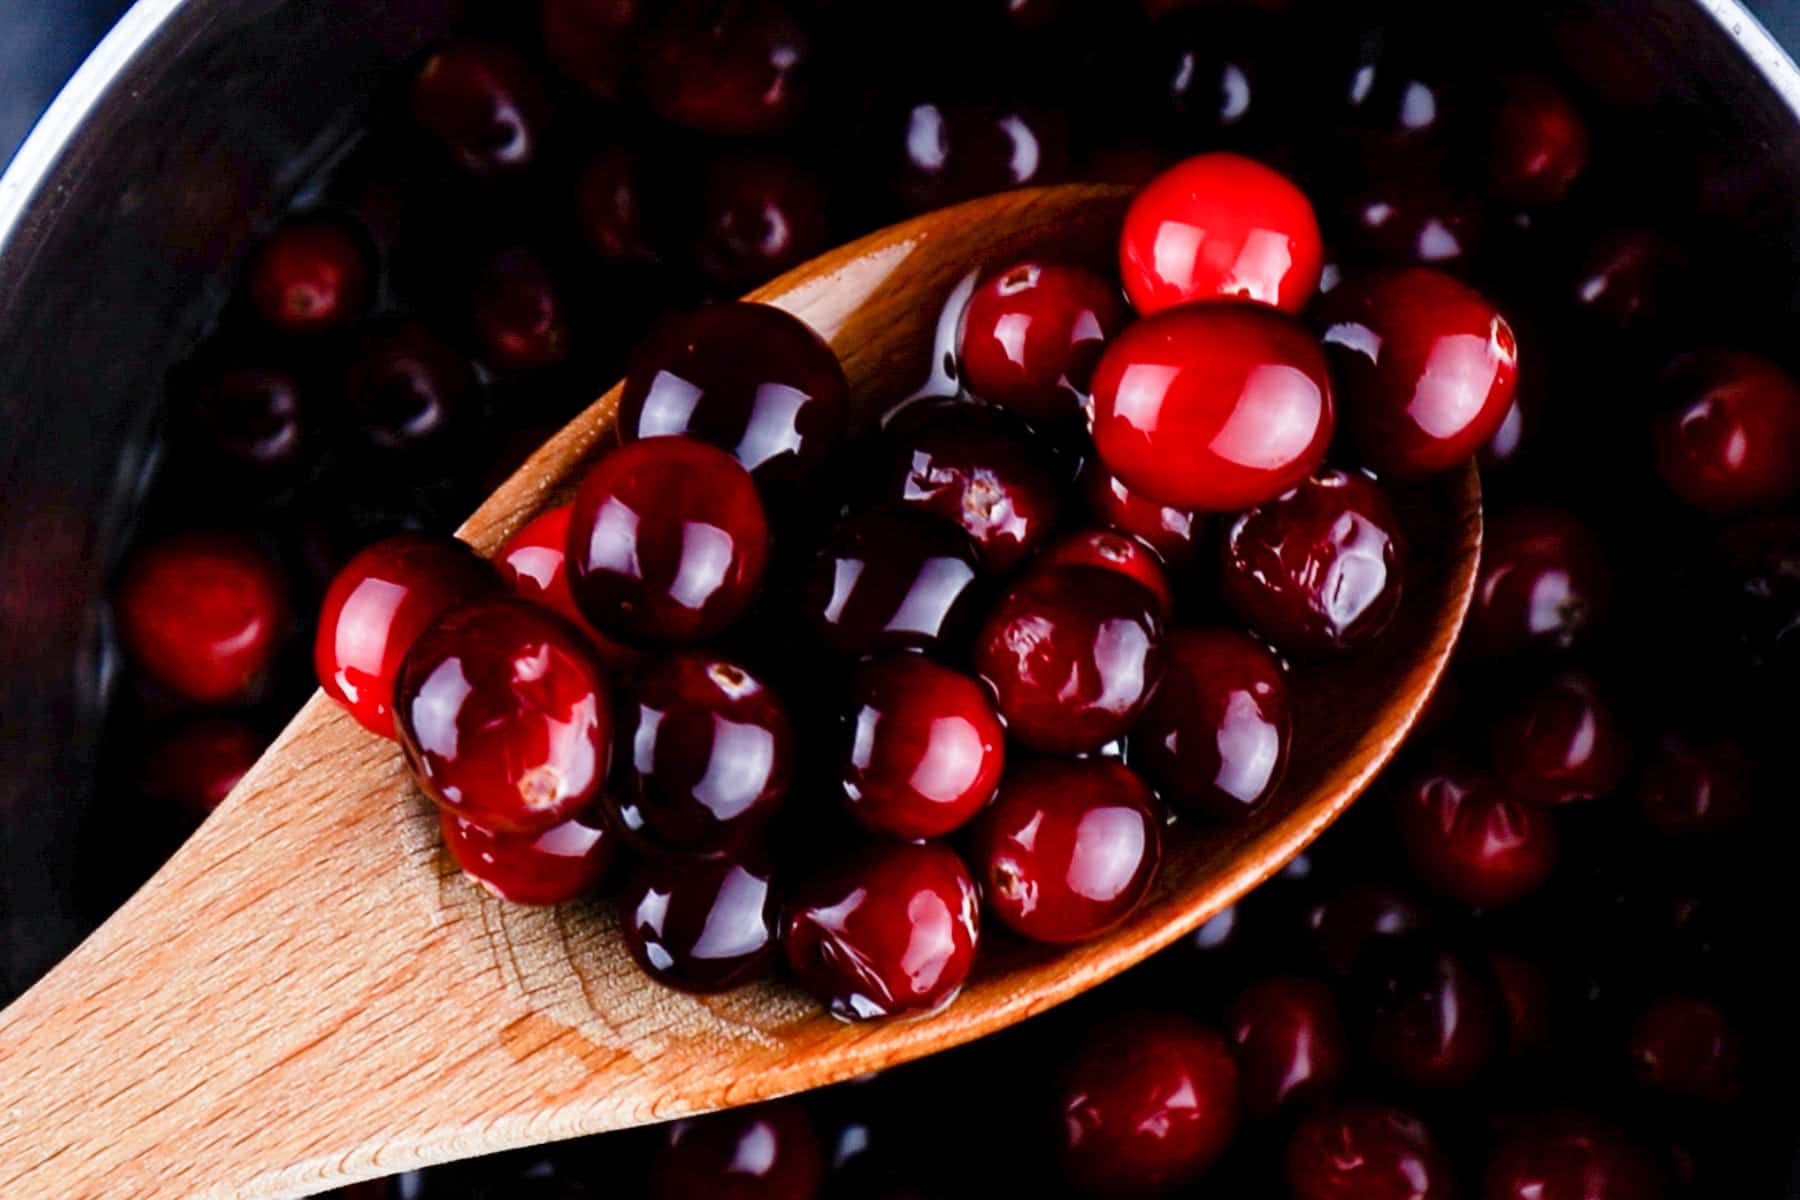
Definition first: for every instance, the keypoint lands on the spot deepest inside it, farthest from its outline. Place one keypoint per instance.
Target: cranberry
(1223, 74)
(1543, 583)
(748, 378)
(668, 541)
(1031, 335)
(314, 273)
(194, 766)
(711, 755)
(759, 216)
(1171, 532)
(1214, 739)
(1524, 991)
(1396, 94)
(254, 422)
(887, 931)
(1220, 227)
(769, 1152)
(925, 750)
(891, 581)
(701, 924)
(1561, 744)
(1366, 1153)
(1359, 917)
(1540, 144)
(1728, 435)
(592, 42)
(1624, 277)
(1427, 368)
(482, 105)
(380, 602)
(1290, 1042)
(520, 317)
(1318, 569)
(957, 151)
(1694, 787)
(408, 391)
(202, 614)
(1570, 1157)
(1408, 217)
(609, 203)
(1689, 1049)
(1069, 849)
(561, 863)
(1467, 838)
(534, 564)
(1433, 1019)
(1218, 406)
(729, 66)
(1148, 1103)
(505, 717)
(1113, 551)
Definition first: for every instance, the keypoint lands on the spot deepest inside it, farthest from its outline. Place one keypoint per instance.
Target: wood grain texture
(309, 993)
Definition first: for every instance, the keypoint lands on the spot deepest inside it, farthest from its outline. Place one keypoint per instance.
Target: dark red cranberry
(564, 862)
(1148, 1103)
(1171, 532)
(314, 273)
(711, 753)
(759, 216)
(193, 767)
(483, 106)
(202, 614)
(376, 607)
(891, 581)
(729, 66)
(1560, 745)
(505, 717)
(1728, 433)
(667, 543)
(1367, 1153)
(1214, 739)
(768, 1152)
(1625, 277)
(520, 318)
(1320, 568)
(1212, 406)
(1223, 73)
(409, 392)
(748, 378)
(1031, 335)
(534, 564)
(889, 930)
(1524, 991)
(1570, 1157)
(254, 422)
(1290, 1042)
(1426, 365)
(1111, 550)
(1689, 1049)
(1467, 838)
(701, 924)
(1358, 917)
(1540, 144)
(1069, 848)
(1432, 1017)
(1544, 582)
(1694, 787)
(609, 203)
(958, 150)
(1220, 227)
(1395, 92)
(925, 748)
(1408, 217)
(593, 42)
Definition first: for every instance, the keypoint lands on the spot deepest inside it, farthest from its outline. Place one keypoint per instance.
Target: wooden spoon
(309, 993)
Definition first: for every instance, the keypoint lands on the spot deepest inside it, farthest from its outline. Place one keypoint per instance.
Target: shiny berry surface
(1570, 1157)
(482, 106)
(1541, 144)
(1404, 216)
(534, 564)
(409, 392)
(741, 67)
(1174, 533)
(891, 581)
(759, 216)
(562, 863)
(1111, 550)
(1562, 743)
(1031, 336)
(1367, 1153)
(701, 924)
(1544, 583)
(1692, 786)
(946, 152)
(1433, 1019)
(520, 315)
(194, 766)
(253, 422)
(766, 1152)
(314, 273)
(1727, 436)
(1290, 1042)
(1469, 839)
(1689, 1049)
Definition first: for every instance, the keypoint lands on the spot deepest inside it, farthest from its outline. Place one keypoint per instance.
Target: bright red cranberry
(534, 564)
(505, 717)
(1540, 144)
(380, 602)
(1319, 569)
(1073, 655)
(759, 216)
(711, 753)
(564, 862)
(593, 42)
(748, 378)
(1544, 582)
(701, 924)
(887, 931)
(1111, 550)
(483, 106)
(1361, 916)
(729, 66)
(1031, 336)
(768, 1152)
(1728, 435)
(1433, 1018)
(891, 581)
(1171, 532)
(253, 422)
(1524, 991)
(1467, 838)
(668, 541)
(1069, 848)
(1692, 787)
(1220, 227)
(1290, 1042)
(959, 150)
(1214, 406)
(609, 203)
(1367, 1153)
(409, 392)
(202, 614)
(520, 317)
(1427, 368)
(1147, 1105)
(972, 465)
(1625, 276)
(194, 766)
(1570, 1157)
(1689, 1049)
(1562, 744)
(925, 750)
(314, 273)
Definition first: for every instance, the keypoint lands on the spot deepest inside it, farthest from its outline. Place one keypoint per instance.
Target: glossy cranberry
(564, 862)
(1427, 368)
(1691, 787)
(609, 203)
(520, 318)
(1069, 848)
(1543, 584)
(1171, 532)
(1561, 744)
(729, 66)
(1518, 431)
(891, 581)
(1626, 277)
(253, 422)
(314, 273)
(1148, 1103)
(957, 150)
(1689, 1049)
(1215, 406)
(711, 750)
(1467, 838)
(748, 378)
(1408, 217)
(667, 543)
(202, 615)
(1031, 336)
(592, 42)
(534, 564)
(1290, 1042)
(408, 391)
(768, 1152)
(1220, 227)
(1540, 144)
(925, 748)
(1524, 990)
(1111, 550)
(1433, 1019)
(505, 717)
(1319, 569)
(701, 924)
(1223, 73)
(1367, 1153)
(481, 104)
(1361, 916)
(1570, 1157)
(759, 216)
(1728, 434)
(193, 767)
